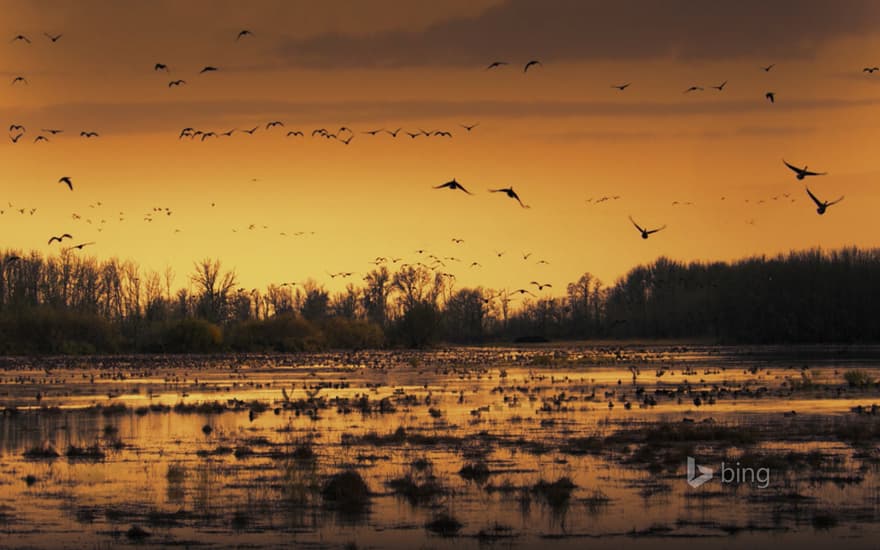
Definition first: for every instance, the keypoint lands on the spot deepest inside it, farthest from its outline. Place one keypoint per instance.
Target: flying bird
(294, 133)
(693, 89)
(645, 232)
(274, 123)
(19, 79)
(54, 38)
(176, 83)
(88, 135)
(394, 133)
(621, 87)
(81, 245)
(208, 69)
(373, 132)
(41, 138)
(532, 63)
(771, 97)
(67, 181)
(51, 131)
(821, 206)
(469, 127)
(870, 70)
(523, 291)
(496, 64)
(768, 67)
(14, 127)
(721, 86)
(540, 285)
(160, 67)
(251, 131)
(510, 193)
(453, 185)
(242, 34)
(21, 37)
(15, 139)
(802, 172)
(60, 238)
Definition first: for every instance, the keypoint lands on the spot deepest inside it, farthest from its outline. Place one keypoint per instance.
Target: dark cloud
(571, 30)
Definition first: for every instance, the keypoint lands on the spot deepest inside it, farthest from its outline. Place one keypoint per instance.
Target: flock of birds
(345, 135)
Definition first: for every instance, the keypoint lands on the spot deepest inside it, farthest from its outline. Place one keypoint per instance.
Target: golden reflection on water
(254, 473)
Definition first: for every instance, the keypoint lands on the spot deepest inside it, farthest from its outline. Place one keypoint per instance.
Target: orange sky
(558, 134)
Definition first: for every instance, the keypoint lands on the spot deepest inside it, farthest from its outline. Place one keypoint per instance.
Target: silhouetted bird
(21, 37)
(54, 38)
(645, 232)
(510, 193)
(771, 97)
(802, 172)
(621, 87)
(532, 63)
(160, 67)
(208, 69)
(242, 34)
(453, 185)
(41, 138)
(15, 139)
(81, 245)
(51, 131)
(496, 64)
(16, 127)
(870, 69)
(394, 133)
(822, 206)
(176, 83)
(469, 127)
(373, 132)
(294, 133)
(60, 238)
(18, 79)
(274, 123)
(251, 131)
(541, 286)
(721, 86)
(693, 89)
(523, 291)
(67, 181)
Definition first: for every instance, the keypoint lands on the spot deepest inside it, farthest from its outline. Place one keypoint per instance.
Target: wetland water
(568, 446)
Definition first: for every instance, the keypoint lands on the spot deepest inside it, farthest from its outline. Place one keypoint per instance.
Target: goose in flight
(54, 38)
(768, 67)
(176, 83)
(496, 64)
(228, 133)
(251, 131)
(532, 63)
(66, 181)
(510, 193)
(442, 133)
(771, 97)
(721, 86)
(469, 127)
(693, 89)
(821, 206)
(870, 70)
(274, 123)
(14, 127)
(456, 240)
(522, 291)
(621, 87)
(802, 172)
(208, 69)
(453, 185)
(18, 79)
(15, 139)
(51, 131)
(374, 132)
(21, 37)
(294, 133)
(242, 34)
(540, 285)
(394, 133)
(41, 138)
(645, 232)
(60, 238)
(81, 245)
(160, 67)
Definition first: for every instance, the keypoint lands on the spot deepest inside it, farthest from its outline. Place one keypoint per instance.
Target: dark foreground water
(571, 447)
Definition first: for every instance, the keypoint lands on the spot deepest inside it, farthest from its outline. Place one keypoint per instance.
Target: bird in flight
(294, 133)
(496, 64)
(802, 172)
(821, 206)
(453, 185)
(645, 232)
(456, 240)
(522, 291)
(67, 181)
(15, 139)
(621, 87)
(870, 70)
(208, 69)
(469, 127)
(374, 132)
(41, 138)
(60, 238)
(693, 89)
(525, 255)
(176, 83)
(541, 286)
(14, 127)
(394, 133)
(274, 123)
(88, 135)
(54, 38)
(530, 64)
(51, 131)
(81, 245)
(160, 67)
(510, 193)
(442, 133)
(242, 34)
(21, 37)
(251, 131)
(721, 86)
(18, 79)
(771, 97)
(768, 67)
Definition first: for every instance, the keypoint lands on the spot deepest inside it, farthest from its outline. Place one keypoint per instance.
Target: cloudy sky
(708, 163)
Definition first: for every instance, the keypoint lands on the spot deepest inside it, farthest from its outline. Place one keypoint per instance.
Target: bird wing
(812, 196)
(811, 173)
(635, 224)
(656, 230)
(836, 201)
(795, 169)
(53, 239)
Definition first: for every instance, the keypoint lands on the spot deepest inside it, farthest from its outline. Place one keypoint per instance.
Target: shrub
(858, 378)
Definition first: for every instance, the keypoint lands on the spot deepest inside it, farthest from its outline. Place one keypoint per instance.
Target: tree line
(70, 303)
